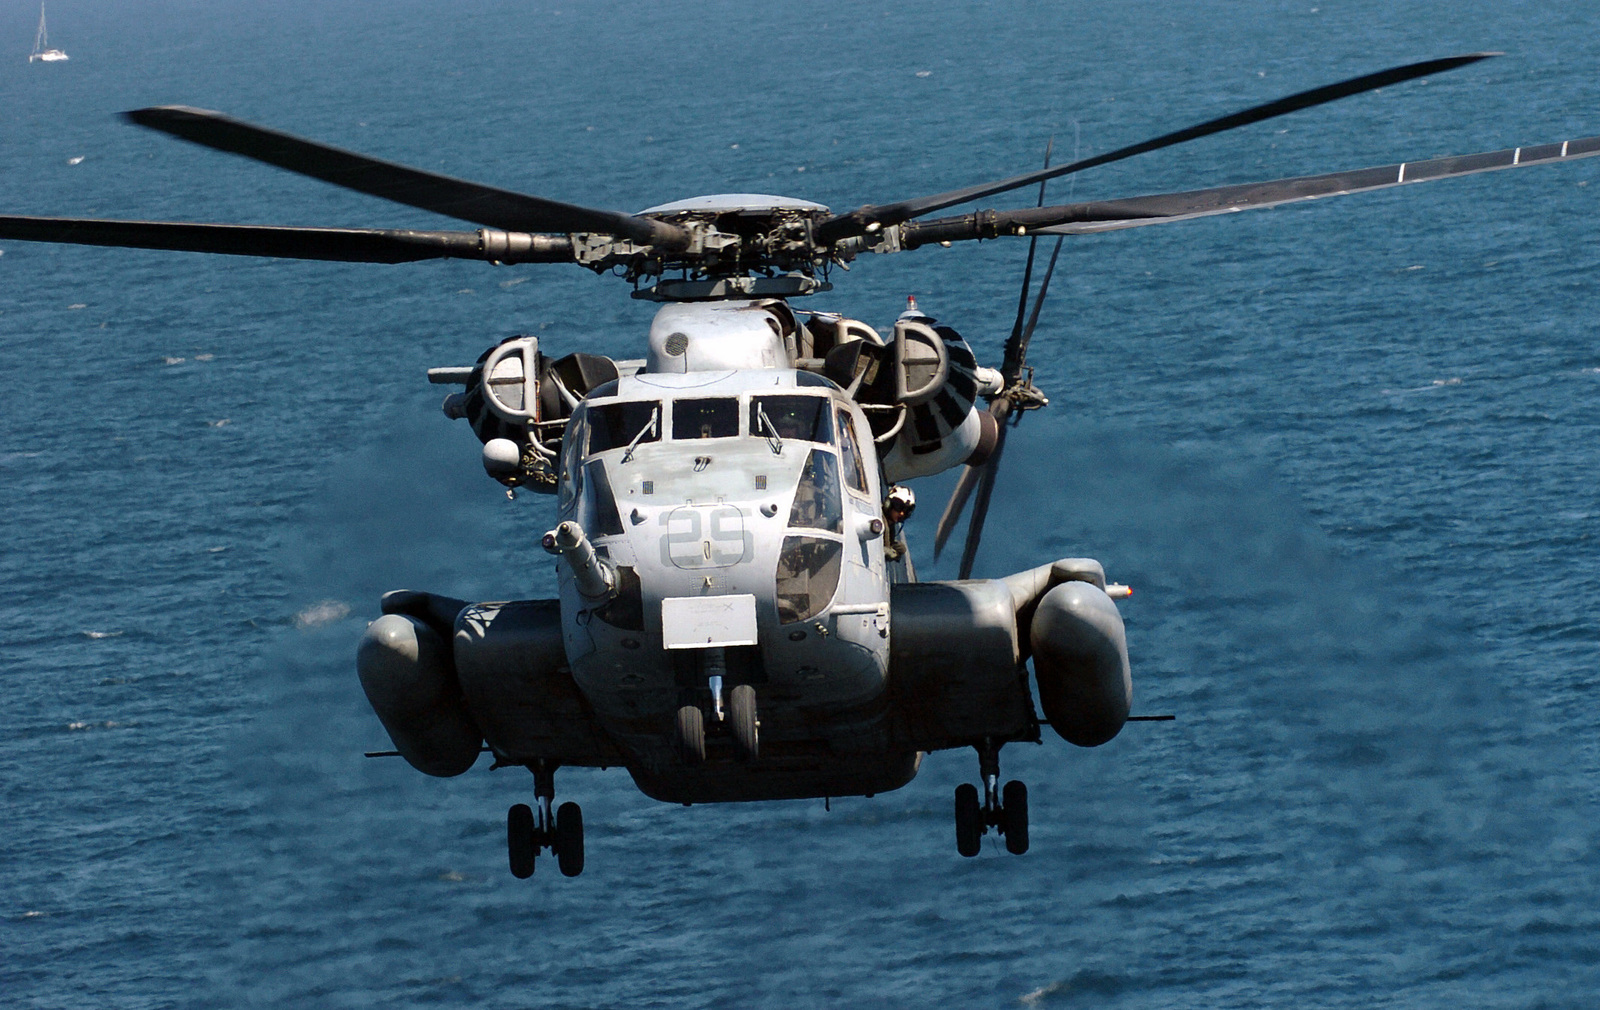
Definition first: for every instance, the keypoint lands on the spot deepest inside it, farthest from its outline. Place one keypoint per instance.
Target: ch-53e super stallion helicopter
(738, 618)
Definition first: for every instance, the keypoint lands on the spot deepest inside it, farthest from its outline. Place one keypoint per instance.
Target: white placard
(703, 622)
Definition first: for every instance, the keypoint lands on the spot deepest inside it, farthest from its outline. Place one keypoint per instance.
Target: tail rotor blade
(1033, 317)
(1000, 408)
(1011, 367)
(970, 475)
(980, 507)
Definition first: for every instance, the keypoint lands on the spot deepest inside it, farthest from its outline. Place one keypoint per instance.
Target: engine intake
(518, 401)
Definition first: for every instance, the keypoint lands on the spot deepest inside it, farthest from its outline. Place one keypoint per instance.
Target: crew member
(897, 508)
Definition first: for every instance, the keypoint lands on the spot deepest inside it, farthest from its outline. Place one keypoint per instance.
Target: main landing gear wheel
(531, 829)
(568, 841)
(691, 735)
(742, 716)
(520, 840)
(969, 820)
(1004, 810)
(1014, 817)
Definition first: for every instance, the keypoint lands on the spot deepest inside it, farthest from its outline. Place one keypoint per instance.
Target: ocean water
(1345, 454)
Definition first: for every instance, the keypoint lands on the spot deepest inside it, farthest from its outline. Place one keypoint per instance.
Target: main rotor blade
(457, 198)
(344, 244)
(1114, 214)
(1160, 208)
(857, 222)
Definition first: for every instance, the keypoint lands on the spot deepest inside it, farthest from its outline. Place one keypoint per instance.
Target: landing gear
(731, 713)
(1014, 817)
(528, 830)
(969, 820)
(743, 722)
(1006, 811)
(691, 735)
(569, 839)
(520, 840)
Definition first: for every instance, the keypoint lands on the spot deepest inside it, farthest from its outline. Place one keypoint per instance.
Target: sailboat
(41, 45)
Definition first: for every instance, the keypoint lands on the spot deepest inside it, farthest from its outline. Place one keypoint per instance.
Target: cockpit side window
(855, 470)
(615, 425)
(798, 417)
(708, 418)
(816, 499)
(599, 504)
(572, 444)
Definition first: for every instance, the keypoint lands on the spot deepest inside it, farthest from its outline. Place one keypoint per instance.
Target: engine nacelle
(409, 678)
(1080, 662)
(517, 401)
(937, 381)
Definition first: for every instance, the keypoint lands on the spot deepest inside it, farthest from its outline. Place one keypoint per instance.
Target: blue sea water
(1345, 453)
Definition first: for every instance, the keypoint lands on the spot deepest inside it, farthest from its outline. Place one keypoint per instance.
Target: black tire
(969, 820)
(1014, 816)
(569, 839)
(742, 717)
(520, 845)
(691, 733)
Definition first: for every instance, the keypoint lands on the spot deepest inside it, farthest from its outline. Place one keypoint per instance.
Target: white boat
(41, 45)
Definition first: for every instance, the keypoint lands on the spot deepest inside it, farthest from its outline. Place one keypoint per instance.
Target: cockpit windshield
(805, 418)
(716, 417)
(615, 425)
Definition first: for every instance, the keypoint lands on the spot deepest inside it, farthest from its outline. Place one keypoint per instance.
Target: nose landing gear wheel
(691, 735)
(969, 820)
(1014, 817)
(520, 842)
(568, 841)
(746, 727)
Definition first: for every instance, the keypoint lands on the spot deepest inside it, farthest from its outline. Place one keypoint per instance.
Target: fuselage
(739, 512)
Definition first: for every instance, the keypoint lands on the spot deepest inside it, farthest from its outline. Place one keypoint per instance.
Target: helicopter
(738, 615)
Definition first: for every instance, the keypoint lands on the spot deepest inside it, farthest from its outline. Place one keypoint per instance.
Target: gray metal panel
(826, 774)
(513, 672)
(955, 670)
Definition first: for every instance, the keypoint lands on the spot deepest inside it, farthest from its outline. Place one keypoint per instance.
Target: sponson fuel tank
(959, 649)
(1080, 661)
(409, 678)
